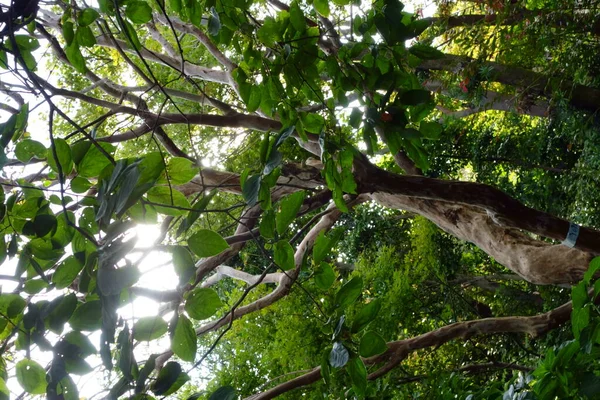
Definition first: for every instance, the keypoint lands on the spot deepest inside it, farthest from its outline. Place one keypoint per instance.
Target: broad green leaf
(180, 170)
(168, 201)
(183, 343)
(312, 122)
(87, 16)
(31, 376)
(366, 315)
(267, 225)
(85, 346)
(85, 36)
(34, 286)
(76, 59)
(592, 269)
(4, 392)
(111, 281)
(62, 312)
(149, 328)
(250, 189)
(371, 345)
(223, 393)
(94, 160)
(44, 224)
(138, 12)
(80, 185)
(324, 276)
(68, 32)
(349, 292)
(297, 17)
(11, 305)
(284, 255)
(338, 357)
(425, 52)
(430, 130)
(66, 272)
(415, 97)
(207, 243)
(87, 317)
(202, 303)
(358, 375)
(289, 207)
(167, 377)
(322, 7)
(214, 22)
(324, 244)
(254, 98)
(63, 153)
(183, 263)
(27, 149)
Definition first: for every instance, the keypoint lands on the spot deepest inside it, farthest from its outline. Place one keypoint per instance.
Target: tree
(238, 127)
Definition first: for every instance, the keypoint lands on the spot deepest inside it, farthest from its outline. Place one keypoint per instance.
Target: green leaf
(358, 375)
(87, 17)
(183, 343)
(11, 305)
(592, 269)
(297, 17)
(64, 306)
(202, 303)
(366, 315)
(289, 207)
(44, 224)
(254, 98)
(183, 263)
(349, 292)
(430, 130)
(149, 328)
(267, 225)
(66, 272)
(313, 123)
(87, 317)
(324, 276)
(322, 7)
(180, 170)
(323, 244)
(94, 160)
(168, 201)
(207, 243)
(138, 12)
(425, 52)
(338, 357)
(223, 393)
(80, 185)
(63, 153)
(31, 376)
(85, 36)
(4, 392)
(371, 345)
(250, 189)
(579, 295)
(27, 149)
(284, 255)
(34, 286)
(75, 58)
(167, 378)
(110, 280)
(214, 22)
(83, 343)
(415, 97)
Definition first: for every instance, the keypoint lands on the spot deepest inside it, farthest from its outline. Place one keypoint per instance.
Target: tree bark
(585, 98)
(399, 350)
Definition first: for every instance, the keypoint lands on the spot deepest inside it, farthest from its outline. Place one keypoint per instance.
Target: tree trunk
(583, 97)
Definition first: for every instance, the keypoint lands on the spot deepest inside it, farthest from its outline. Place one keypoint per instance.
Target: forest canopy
(239, 199)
